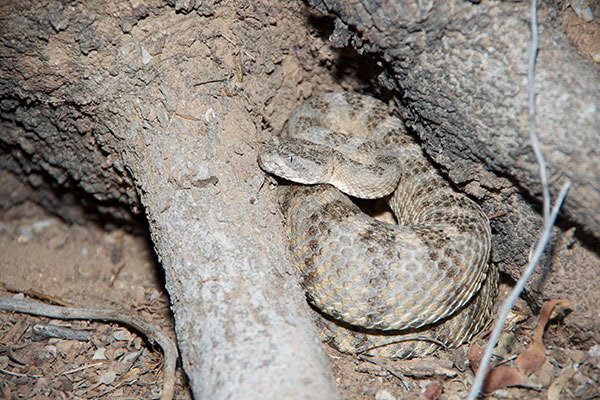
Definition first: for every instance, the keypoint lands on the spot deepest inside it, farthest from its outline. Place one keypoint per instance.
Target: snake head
(296, 160)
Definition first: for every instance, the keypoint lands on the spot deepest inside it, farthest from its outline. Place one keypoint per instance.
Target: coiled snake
(398, 290)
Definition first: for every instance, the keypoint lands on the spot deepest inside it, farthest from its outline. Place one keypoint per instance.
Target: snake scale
(397, 290)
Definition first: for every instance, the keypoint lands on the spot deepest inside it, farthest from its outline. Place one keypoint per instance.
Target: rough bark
(461, 68)
(163, 109)
(150, 107)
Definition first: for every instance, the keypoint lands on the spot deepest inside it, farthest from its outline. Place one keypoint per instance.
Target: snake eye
(291, 159)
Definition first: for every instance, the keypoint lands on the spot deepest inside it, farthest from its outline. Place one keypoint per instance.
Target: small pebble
(383, 394)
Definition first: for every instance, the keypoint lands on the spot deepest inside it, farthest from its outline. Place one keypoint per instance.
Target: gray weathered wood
(137, 107)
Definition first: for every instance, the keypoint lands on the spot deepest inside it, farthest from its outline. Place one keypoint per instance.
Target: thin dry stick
(548, 214)
(36, 295)
(152, 333)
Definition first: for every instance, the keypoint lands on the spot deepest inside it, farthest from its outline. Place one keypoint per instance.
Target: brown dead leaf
(479, 342)
(474, 355)
(506, 376)
(528, 361)
(534, 356)
(432, 391)
(16, 332)
(503, 376)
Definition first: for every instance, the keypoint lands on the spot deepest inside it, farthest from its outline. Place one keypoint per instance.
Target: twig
(83, 367)
(20, 375)
(60, 332)
(497, 215)
(210, 81)
(152, 333)
(388, 370)
(549, 215)
(36, 295)
(114, 277)
(11, 356)
(236, 45)
(533, 137)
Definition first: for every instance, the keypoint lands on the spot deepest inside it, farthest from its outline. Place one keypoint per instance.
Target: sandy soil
(85, 266)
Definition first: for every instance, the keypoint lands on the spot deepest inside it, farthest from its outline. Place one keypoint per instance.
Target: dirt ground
(90, 266)
(86, 266)
(94, 266)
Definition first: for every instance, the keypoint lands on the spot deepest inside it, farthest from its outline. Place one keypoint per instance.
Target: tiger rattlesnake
(397, 290)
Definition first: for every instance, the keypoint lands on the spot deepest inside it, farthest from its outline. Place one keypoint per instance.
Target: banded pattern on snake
(397, 290)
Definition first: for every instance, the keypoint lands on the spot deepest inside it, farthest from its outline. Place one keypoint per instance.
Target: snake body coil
(397, 290)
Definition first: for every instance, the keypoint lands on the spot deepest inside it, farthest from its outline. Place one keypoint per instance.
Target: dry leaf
(107, 377)
(535, 354)
(432, 391)
(503, 376)
(99, 354)
(121, 335)
(594, 356)
(529, 361)
(559, 383)
(131, 374)
(474, 355)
